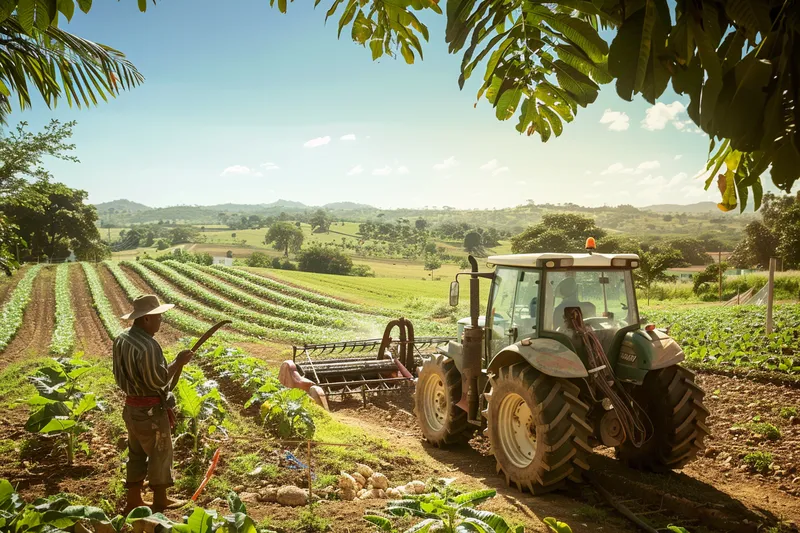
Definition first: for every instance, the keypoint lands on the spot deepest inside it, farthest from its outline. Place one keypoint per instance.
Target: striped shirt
(139, 365)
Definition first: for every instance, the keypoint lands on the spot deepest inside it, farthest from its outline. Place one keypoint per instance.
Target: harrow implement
(359, 367)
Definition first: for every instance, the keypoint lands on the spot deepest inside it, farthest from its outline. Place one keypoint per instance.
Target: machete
(208, 334)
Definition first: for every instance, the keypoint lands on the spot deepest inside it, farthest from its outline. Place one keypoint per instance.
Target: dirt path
(90, 335)
(36, 332)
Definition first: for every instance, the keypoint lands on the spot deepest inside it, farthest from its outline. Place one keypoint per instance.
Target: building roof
(580, 260)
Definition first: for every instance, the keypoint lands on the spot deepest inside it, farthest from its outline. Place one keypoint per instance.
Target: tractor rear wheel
(438, 391)
(674, 404)
(537, 427)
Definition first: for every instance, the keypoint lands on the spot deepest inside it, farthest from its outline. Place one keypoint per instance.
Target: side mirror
(454, 293)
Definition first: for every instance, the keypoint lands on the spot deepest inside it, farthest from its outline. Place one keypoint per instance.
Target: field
(747, 477)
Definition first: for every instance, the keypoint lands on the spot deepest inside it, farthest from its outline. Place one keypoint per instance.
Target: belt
(150, 401)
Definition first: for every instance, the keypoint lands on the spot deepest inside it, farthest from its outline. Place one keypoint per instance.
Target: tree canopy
(734, 59)
(777, 234)
(285, 237)
(557, 232)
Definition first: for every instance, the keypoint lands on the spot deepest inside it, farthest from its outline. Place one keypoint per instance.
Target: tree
(284, 236)
(557, 232)
(320, 221)
(652, 267)
(259, 259)
(421, 224)
(473, 243)
(21, 153)
(38, 56)
(545, 60)
(9, 244)
(701, 282)
(776, 234)
(692, 250)
(324, 260)
(432, 262)
(52, 218)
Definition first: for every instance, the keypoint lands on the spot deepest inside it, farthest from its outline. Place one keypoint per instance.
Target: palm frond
(59, 65)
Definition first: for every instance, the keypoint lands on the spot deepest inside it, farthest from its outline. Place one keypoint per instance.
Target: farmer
(142, 373)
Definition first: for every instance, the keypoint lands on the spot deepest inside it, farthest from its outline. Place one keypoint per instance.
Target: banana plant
(444, 513)
(61, 403)
(200, 405)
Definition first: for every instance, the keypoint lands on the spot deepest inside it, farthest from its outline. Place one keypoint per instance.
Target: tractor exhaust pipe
(472, 346)
(474, 293)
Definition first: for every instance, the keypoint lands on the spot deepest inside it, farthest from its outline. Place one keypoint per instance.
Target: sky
(243, 104)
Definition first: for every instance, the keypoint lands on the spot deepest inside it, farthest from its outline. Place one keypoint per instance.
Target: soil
(7, 283)
(90, 335)
(34, 336)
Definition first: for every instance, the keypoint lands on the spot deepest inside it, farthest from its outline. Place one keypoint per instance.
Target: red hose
(209, 473)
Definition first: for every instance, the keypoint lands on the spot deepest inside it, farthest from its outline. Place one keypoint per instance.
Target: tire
(438, 390)
(559, 450)
(674, 404)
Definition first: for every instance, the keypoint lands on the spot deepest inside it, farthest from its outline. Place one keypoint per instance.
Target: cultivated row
(14, 309)
(64, 333)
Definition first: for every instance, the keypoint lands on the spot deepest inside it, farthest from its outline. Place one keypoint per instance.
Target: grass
(765, 429)
(788, 412)
(758, 461)
(308, 521)
(592, 514)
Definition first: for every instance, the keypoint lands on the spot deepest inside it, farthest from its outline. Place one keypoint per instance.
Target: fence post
(719, 268)
(770, 293)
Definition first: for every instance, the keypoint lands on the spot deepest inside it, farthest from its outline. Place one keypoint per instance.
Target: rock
(347, 482)
(292, 496)
(238, 488)
(374, 494)
(737, 431)
(269, 494)
(249, 497)
(348, 494)
(361, 492)
(783, 487)
(393, 493)
(415, 487)
(795, 480)
(365, 471)
(359, 480)
(379, 481)
(794, 420)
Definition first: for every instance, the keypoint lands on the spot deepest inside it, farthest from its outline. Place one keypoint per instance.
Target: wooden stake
(309, 444)
(770, 293)
(719, 264)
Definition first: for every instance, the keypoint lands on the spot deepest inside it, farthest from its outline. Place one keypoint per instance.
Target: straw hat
(146, 305)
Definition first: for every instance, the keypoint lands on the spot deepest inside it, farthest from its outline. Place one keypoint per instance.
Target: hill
(700, 207)
(121, 207)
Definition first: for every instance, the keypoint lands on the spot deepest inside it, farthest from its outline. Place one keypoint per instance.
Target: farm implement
(362, 368)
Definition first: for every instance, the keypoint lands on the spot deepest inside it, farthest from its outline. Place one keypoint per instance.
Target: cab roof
(579, 260)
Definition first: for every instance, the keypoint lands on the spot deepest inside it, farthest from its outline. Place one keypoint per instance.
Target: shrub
(259, 259)
(758, 461)
(765, 429)
(364, 271)
(788, 412)
(324, 260)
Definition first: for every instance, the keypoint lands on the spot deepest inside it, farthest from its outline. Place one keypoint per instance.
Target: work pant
(149, 446)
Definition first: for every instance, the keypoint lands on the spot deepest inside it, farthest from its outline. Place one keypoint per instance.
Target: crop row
(174, 317)
(736, 336)
(256, 324)
(176, 271)
(64, 334)
(272, 295)
(303, 294)
(11, 315)
(100, 301)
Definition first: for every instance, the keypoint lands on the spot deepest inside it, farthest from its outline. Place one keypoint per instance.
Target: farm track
(167, 335)
(33, 337)
(90, 335)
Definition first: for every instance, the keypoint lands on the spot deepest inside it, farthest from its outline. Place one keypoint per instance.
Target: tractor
(559, 364)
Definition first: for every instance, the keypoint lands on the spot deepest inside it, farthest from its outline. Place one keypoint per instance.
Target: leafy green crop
(101, 303)
(286, 412)
(64, 333)
(200, 405)
(758, 461)
(11, 315)
(61, 402)
(735, 336)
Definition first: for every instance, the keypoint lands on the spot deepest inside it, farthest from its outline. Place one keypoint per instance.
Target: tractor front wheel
(674, 404)
(537, 427)
(438, 391)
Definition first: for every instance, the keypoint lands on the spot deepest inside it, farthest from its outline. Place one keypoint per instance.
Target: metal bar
(362, 382)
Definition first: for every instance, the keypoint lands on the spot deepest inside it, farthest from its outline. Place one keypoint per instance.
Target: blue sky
(242, 104)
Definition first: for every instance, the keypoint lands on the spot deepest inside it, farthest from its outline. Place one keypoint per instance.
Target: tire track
(34, 336)
(90, 335)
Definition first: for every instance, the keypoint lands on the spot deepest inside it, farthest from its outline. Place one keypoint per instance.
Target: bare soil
(36, 332)
(90, 335)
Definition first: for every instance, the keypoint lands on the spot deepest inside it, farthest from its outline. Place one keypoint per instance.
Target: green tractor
(560, 364)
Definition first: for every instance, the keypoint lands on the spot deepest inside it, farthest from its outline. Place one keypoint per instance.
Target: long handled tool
(207, 335)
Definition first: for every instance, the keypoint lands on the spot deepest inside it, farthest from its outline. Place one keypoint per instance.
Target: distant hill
(121, 206)
(254, 208)
(348, 206)
(700, 207)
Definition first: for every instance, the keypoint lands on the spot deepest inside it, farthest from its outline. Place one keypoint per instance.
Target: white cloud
(358, 169)
(384, 171)
(677, 157)
(677, 179)
(499, 171)
(617, 168)
(693, 191)
(319, 141)
(598, 183)
(652, 181)
(616, 120)
(448, 163)
(270, 166)
(240, 170)
(491, 165)
(647, 165)
(348, 137)
(657, 116)
(588, 172)
(402, 170)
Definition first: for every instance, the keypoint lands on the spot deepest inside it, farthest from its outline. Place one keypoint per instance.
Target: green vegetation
(100, 301)
(14, 309)
(765, 429)
(64, 333)
(200, 405)
(758, 461)
(286, 413)
(788, 412)
(777, 234)
(61, 403)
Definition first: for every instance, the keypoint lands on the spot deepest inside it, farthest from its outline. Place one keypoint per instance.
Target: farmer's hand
(185, 356)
